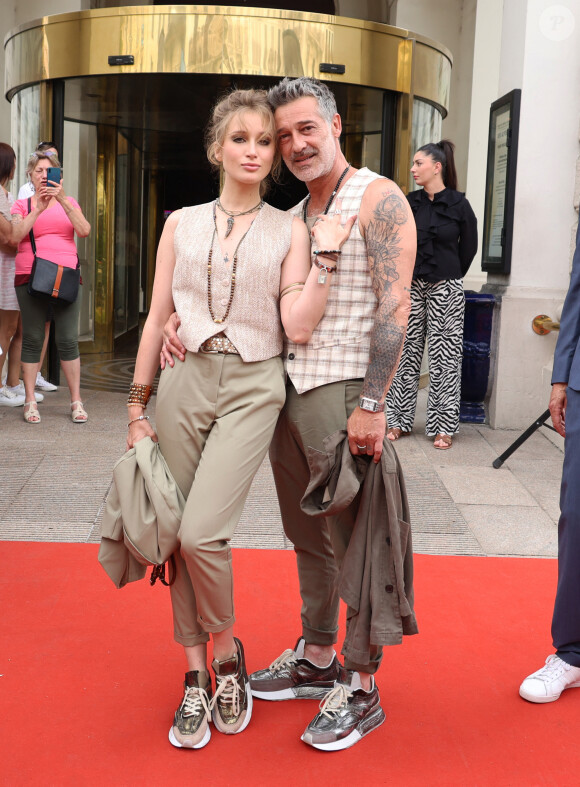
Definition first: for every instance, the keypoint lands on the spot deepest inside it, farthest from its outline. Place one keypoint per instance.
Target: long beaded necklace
(219, 320)
(233, 214)
(332, 196)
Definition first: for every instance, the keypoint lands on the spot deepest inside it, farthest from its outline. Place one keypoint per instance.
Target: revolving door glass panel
(127, 291)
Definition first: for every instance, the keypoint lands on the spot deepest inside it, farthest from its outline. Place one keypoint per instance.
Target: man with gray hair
(337, 380)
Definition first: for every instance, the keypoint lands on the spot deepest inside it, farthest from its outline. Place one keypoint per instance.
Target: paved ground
(54, 479)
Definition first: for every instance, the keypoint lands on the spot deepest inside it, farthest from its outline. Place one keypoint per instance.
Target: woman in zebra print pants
(446, 246)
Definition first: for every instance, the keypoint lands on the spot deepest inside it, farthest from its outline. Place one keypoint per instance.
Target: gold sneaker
(232, 702)
(190, 728)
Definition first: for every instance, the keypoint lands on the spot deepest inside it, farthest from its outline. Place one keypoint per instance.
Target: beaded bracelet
(139, 394)
(326, 251)
(139, 418)
(324, 271)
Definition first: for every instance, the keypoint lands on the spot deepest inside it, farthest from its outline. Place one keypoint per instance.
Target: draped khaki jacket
(376, 576)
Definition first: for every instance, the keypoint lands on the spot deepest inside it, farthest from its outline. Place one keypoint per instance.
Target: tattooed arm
(388, 227)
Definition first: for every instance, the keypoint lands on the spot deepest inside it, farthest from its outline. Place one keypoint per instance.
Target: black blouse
(446, 234)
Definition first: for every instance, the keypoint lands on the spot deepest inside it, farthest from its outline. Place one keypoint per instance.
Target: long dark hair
(7, 161)
(443, 153)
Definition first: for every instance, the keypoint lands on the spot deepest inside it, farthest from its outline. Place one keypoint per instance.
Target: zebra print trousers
(437, 311)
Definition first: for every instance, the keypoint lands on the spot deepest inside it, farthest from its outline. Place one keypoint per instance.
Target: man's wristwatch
(371, 405)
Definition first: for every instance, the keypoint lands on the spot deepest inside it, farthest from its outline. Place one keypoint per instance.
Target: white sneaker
(548, 683)
(20, 390)
(44, 385)
(9, 398)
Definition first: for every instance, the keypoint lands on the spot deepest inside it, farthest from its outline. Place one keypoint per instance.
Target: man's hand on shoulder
(557, 407)
(172, 345)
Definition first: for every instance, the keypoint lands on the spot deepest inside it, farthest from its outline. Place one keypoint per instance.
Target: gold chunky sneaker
(191, 722)
(232, 701)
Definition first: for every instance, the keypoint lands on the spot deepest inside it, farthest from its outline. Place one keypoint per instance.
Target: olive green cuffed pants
(320, 543)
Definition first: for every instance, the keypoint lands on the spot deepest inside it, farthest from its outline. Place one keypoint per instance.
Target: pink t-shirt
(53, 234)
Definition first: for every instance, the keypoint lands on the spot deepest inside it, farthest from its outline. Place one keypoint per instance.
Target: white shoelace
(554, 668)
(194, 700)
(335, 701)
(285, 659)
(229, 690)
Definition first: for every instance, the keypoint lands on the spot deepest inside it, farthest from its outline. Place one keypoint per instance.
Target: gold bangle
(294, 283)
(287, 291)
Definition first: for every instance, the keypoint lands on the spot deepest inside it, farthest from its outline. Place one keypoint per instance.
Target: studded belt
(219, 344)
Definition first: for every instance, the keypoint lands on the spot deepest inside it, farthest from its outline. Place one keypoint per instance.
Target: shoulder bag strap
(31, 233)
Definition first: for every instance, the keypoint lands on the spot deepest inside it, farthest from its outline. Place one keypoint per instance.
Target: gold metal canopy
(206, 39)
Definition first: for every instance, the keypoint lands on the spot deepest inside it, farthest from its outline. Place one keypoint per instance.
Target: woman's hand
(137, 431)
(42, 200)
(56, 190)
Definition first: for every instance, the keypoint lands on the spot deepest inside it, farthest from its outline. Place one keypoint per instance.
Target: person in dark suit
(562, 669)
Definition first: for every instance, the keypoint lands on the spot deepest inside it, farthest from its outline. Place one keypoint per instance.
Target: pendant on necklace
(230, 226)
(322, 276)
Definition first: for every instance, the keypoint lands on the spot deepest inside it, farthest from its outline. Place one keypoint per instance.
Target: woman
(232, 268)
(446, 246)
(10, 335)
(54, 218)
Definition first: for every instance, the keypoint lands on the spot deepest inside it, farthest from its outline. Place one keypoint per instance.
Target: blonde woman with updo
(238, 272)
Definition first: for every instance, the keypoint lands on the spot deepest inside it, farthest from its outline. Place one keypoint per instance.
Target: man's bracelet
(316, 252)
(139, 418)
(327, 268)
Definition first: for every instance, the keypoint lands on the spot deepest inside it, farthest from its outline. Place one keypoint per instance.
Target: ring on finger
(361, 447)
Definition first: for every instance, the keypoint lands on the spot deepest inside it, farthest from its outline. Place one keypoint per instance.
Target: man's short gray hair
(289, 90)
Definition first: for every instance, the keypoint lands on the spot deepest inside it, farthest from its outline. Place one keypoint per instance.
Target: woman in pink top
(54, 219)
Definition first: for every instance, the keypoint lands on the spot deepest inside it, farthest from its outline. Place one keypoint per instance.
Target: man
(562, 669)
(337, 381)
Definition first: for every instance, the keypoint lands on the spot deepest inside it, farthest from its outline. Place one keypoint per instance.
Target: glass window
(79, 176)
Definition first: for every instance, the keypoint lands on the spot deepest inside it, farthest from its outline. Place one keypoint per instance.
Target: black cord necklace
(332, 196)
(233, 214)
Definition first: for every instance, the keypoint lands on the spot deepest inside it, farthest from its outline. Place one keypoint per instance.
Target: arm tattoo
(384, 249)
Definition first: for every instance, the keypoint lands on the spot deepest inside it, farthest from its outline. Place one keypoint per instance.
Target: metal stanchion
(542, 325)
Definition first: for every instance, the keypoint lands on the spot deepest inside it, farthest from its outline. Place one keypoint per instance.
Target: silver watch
(371, 405)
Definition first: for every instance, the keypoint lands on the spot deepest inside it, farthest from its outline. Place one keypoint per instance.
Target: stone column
(541, 55)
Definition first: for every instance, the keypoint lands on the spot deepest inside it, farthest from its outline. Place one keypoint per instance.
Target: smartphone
(53, 174)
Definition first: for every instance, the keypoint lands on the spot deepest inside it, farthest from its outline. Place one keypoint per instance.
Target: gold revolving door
(126, 93)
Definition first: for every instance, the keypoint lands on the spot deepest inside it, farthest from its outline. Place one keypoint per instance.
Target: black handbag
(48, 279)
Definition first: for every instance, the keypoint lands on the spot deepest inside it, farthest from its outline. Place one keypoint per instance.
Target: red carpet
(90, 678)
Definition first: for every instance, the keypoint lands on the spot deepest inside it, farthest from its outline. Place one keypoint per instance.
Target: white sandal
(31, 416)
(78, 413)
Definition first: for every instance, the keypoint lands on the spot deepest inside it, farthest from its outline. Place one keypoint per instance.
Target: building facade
(131, 132)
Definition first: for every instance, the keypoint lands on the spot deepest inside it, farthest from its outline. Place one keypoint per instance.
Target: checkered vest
(340, 345)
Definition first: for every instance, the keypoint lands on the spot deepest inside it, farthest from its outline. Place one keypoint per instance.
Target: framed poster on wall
(500, 184)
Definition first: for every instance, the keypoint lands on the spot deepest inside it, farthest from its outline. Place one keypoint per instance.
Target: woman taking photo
(237, 270)
(446, 246)
(54, 219)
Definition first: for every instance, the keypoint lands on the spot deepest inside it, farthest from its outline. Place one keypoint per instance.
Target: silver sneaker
(292, 676)
(190, 728)
(548, 683)
(9, 398)
(346, 715)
